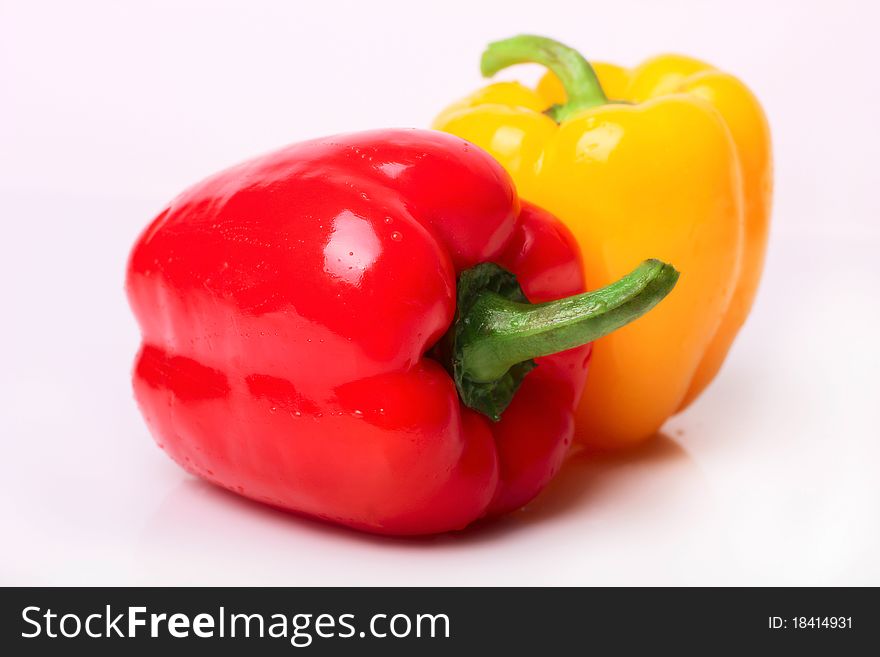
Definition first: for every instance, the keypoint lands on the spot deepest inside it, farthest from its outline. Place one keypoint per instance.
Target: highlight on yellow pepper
(670, 159)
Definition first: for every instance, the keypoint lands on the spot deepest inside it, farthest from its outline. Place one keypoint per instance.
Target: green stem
(497, 333)
(501, 333)
(577, 76)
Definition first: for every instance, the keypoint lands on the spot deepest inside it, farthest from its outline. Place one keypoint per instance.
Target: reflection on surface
(599, 142)
(352, 248)
(507, 141)
(392, 169)
(196, 512)
(186, 378)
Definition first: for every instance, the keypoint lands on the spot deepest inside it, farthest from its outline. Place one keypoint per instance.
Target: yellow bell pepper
(670, 160)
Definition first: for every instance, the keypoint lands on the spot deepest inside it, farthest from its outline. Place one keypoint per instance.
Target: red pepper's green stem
(577, 76)
(500, 333)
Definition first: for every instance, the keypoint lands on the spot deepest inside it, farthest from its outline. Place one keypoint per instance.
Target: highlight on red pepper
(370, 329)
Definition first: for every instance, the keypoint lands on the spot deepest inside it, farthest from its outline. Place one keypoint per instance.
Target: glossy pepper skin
(674, 158)
(288, 307)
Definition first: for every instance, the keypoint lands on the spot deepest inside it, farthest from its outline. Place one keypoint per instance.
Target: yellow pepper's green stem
(577, 76)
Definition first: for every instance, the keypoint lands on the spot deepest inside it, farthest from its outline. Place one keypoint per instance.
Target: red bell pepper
(334, 329)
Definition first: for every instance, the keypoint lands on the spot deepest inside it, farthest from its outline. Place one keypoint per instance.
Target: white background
(108, 109)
